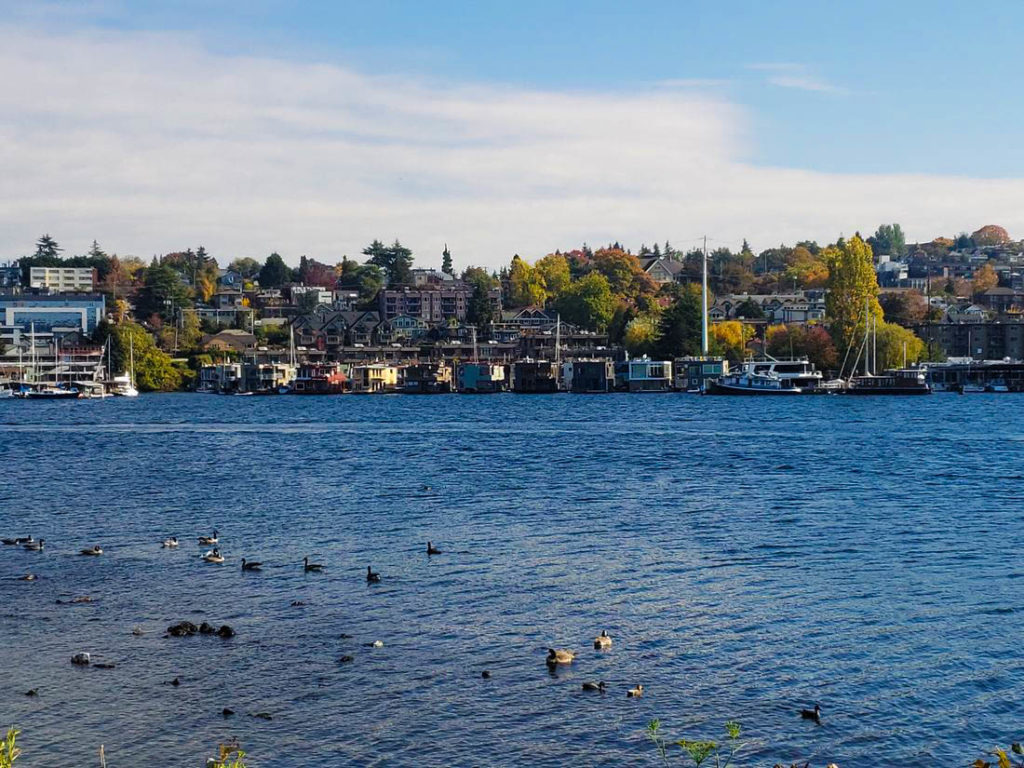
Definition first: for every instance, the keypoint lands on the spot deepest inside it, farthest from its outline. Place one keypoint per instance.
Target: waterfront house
(481, 378)
(221, 377)
(319, 378)
(588, 376)
(228, 340)
(374, 378)
(692, 373)
(266, 377)
(534, 377)
(645, 375)
(427, 379)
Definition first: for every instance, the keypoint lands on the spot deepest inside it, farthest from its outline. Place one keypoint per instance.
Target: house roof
(670, 265)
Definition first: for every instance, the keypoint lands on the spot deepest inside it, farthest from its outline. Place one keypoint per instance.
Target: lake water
(749, 557)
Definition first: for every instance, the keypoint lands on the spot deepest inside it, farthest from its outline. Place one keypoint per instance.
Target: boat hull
(715, 388)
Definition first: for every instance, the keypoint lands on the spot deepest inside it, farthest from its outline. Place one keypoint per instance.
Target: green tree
(889, 240)
(367, 279)
(248, 268)
(641, 335)
(891, 342)
(162, 292)
(588, 302)
(446, 261)
(154, 370)
(47, 248)
(554, 272)
(749, 310)
(852, 287)
(730, 338)
(274, 273)
(679, 331)
(526, 285)
(395, 259)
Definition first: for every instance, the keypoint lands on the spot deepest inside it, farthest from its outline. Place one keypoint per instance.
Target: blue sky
(910, 86)
(504, 127)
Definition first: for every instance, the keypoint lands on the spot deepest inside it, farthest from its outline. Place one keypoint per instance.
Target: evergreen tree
(446, 261)
(396, 260)
(47, 248)
(679, 330)
(275, 273)
(95, 252)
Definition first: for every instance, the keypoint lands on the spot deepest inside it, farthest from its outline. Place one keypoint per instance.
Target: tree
(554, 271)
(154, 370)
(889, 240)
(891, 342)
(852, 288)
(588, 302)
(641, 334)
(162, 292)
(47, 248)
(810, 341)
(749, 310)
(625, 275)
(679, 330)
(904, 307)
(446, 261)
(275, 272)
(395, 259)
(963, 242)
(991, 234)
(526, 285)
(95, 252)
(481, 310)
(248, 268)
(730, 338)
(985, 278)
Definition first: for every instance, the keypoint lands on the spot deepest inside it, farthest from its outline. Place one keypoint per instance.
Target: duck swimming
(308, 566)
(34, 546)
(812, 714)
(432, 550)
(594, 686)
(28, 577)
(602, 642)
(561, 656)
(170, 543)
(371, 577)
(214, 556)
(93, 551)
(247, 566)
(635, 693)
(209, 539)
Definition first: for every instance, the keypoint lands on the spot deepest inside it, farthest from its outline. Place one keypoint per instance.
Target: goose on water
(560, 656)
(93, 551)
(602, 642)
(34, 546)
(209, 539)
(308, 566)
(28, 577)
(594, 686)
(812, 714)
(247, 566)
(372, 577)
(170, 543)
(432, 550)
(214, 556)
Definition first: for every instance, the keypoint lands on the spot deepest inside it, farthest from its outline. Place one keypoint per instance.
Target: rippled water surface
(749, 557)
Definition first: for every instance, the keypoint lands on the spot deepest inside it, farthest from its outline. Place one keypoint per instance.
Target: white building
(61, 279)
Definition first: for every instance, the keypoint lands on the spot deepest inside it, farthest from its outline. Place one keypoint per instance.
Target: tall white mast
(558, 338)
(704, 303)
(131, 357)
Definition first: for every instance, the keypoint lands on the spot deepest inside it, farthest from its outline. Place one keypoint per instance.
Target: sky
(497, 128)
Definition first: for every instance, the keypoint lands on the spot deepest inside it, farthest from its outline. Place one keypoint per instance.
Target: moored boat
(792, 377)
(900, 381)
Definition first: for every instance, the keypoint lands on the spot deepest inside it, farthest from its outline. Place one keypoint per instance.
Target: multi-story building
(49, 313)
(979, 340)
(60, 279)
(436, 303)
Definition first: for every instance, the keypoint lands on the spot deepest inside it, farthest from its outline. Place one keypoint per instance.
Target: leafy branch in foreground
(1003, 760)
(699, 751)
(229, 751)
(9, 751)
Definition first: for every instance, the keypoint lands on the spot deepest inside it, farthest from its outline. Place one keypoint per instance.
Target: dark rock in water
(104, 665)
(182, 629)
(81, 659)
(33, 692)
(226, 631)
(264, 716)
(345, 659)
(206, 629)
(486, 675)
(227, 712)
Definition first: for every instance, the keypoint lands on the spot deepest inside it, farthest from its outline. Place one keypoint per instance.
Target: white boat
(796, 376)
(124, 385)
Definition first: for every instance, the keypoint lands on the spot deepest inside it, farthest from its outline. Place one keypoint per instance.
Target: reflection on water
(749, 557)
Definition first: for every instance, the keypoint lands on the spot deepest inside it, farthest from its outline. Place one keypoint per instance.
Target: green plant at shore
(699, 751)
(228, 756)
(9, 751)
(1003, 760)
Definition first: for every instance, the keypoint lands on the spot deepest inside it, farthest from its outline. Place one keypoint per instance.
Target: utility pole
(704, 303)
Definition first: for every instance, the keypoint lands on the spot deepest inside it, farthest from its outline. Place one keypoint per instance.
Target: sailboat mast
(704, 302)
(131, 357)
(558, 338)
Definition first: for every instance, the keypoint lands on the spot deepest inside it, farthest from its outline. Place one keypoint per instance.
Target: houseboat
(901, 381)
(319, 379)
(374, 378)
(588, 376)
(534, 377)
(645, 375)
(427, 379)
(770, 377)
(481, 378)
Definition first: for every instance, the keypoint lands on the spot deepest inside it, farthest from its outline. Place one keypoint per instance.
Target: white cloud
(798, 76)
(150, 143)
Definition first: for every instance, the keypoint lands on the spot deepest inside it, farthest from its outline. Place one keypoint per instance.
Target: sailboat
(124, 384)
(284, 389)
(41, 390)
(897, 381)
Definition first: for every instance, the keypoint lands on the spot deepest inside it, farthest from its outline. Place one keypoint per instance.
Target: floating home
(534, 377)
(374, 378)
(481, 378)
(588, 376)
(644, 375)
(427, 379)
(692, 374)
(319, 379)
